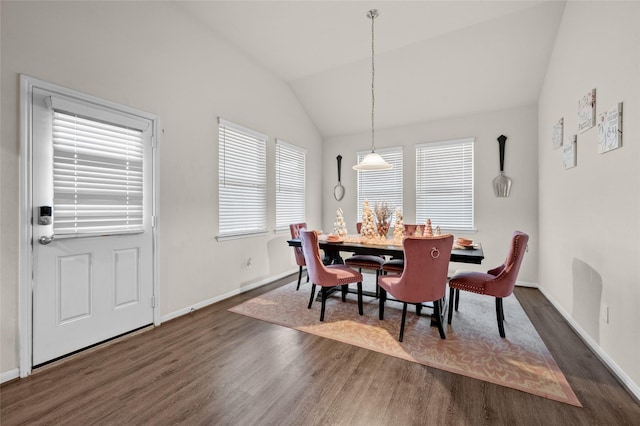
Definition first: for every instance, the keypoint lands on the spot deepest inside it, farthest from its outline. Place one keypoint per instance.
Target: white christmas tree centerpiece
(398, 226)
(368, 229)
(339, 227)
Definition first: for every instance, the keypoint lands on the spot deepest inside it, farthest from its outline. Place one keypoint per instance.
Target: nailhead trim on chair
(472, 289)
(349, 280)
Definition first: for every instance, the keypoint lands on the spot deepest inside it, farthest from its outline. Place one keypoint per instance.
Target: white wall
(495, 218)
(152, 57)
(589, 215)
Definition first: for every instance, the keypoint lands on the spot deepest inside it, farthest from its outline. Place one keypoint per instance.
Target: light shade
(373, 161)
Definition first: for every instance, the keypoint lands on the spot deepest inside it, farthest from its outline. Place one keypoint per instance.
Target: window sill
(239, 236)
(458, 231)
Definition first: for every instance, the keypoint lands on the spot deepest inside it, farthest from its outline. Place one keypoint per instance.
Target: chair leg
(377, 275)
(437, 312)
(418, 309)
(313, 293)
(383, 297)
(500, 315)
(360, 307)
(299, 278)
(344, 289)
(404, 317)
(307, 276)
(452, 292)
(457, 298)
(323, 292)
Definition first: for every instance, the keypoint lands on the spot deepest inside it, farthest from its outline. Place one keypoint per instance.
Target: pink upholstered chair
(327, 276)
(424, 278)
(295, 233)
(497, 282)
(396, 266)
(365, 261)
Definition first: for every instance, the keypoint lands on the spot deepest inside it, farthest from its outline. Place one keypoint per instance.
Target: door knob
(44, 240)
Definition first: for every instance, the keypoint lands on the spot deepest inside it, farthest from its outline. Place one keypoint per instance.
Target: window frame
(94, 174)
(298, 155)
(246, 136)
(465, 188)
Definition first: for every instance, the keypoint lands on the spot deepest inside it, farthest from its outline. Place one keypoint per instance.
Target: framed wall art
(610, 129)
(587, 111)
(569, 157)
(557, 134)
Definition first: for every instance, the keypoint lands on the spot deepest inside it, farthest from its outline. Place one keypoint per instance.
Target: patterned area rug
(472, 348)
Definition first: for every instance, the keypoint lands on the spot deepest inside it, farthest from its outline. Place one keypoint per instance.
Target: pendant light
(373, 160)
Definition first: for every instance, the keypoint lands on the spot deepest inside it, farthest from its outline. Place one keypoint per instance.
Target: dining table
(471, 254)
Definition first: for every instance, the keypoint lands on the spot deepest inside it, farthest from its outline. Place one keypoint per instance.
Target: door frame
(26, 263)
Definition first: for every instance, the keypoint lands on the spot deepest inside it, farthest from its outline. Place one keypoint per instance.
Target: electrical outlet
(604, 313)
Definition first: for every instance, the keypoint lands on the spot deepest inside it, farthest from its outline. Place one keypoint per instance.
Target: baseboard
(227, 295)
(526, 284)
(9, 375)
(622, 377)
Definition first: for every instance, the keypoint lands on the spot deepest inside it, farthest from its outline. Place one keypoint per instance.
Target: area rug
(472, 348)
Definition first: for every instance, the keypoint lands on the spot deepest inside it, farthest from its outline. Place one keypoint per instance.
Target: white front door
(93, 264)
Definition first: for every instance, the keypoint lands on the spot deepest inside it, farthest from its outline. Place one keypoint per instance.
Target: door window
(97, 177)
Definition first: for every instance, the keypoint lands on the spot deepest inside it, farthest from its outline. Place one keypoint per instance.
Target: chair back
(426, 266)
(295, 233)
(507, 274)
(318, 273)
(410, 230)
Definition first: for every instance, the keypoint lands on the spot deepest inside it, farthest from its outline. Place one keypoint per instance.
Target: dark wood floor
(219, 368)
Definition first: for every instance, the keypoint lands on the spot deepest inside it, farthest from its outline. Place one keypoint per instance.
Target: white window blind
(242, 180)
(290, 184)
(97, 177)
(444, 184)
(381, 185)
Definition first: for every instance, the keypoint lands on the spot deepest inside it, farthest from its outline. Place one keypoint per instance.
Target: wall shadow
(587, 296)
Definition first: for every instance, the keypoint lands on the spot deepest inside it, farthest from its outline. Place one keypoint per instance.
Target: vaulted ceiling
(434, 59)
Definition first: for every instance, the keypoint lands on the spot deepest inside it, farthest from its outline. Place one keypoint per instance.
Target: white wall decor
(558, 131)
(587, 111)
(610, 129)
(569, 153)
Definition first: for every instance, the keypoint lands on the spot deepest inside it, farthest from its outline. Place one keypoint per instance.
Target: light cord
(372, 15)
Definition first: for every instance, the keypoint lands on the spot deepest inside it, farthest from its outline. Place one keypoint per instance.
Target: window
(97, 170)
(242, 177)
(444, 184)
(381, 185)
(290, 183)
